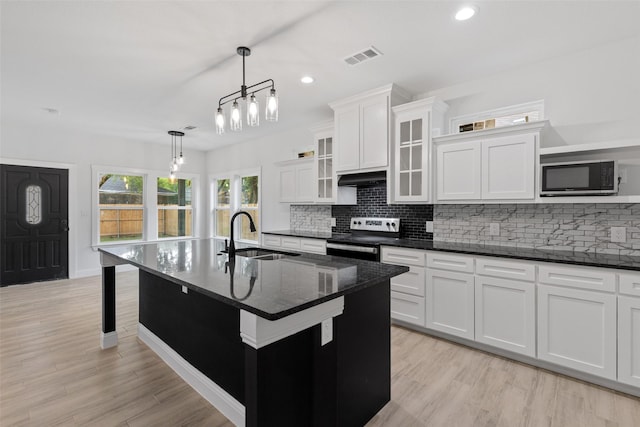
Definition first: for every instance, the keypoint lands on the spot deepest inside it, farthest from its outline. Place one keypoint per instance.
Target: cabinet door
(505, 314)
(508, 167)
(577, 329)
(304, 184)
(459, 171)
(449, 303)
(374, 131)
(412, 157)
(408, 308)
(324, 168)
(629, 340)
(288, 185)
(347, 139)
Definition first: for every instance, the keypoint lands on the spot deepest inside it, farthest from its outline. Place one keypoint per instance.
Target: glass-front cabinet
(412, 171)
(324, 172)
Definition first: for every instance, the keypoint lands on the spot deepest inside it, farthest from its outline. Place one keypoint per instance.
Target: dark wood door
(35, 224)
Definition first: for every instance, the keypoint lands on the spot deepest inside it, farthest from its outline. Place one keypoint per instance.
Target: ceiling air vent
(189, 127)
(362, 56)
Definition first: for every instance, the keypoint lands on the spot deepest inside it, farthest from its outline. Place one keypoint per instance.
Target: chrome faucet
(232, 245)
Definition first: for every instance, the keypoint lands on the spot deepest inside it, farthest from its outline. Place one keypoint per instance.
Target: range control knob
(393, 224)
(359, 223)
(354, 222)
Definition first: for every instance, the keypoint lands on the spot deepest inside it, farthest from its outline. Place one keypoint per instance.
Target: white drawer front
(290, 242)
(316, 246)
(630, 284)
(444, 261)
(402, 256)
(271, 240)
(582, 278)
(497, 267)
(408, 308)
(411, 282)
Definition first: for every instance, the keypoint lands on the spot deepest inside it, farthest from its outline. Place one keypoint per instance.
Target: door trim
(73, 204)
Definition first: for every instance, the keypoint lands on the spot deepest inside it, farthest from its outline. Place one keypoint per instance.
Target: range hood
(363, 179)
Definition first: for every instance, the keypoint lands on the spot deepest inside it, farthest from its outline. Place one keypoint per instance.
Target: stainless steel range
(365, 239)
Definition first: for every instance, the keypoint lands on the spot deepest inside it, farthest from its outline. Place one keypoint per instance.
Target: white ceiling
(136, 69)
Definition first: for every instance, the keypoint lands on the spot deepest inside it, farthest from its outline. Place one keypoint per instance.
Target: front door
(35, 224)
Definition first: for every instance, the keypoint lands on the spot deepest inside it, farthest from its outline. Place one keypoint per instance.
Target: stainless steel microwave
(595, 177)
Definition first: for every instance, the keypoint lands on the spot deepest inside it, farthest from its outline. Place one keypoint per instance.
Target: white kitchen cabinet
(449, 302)
(505, 314)
(407, 289)
(629, 340)
(316, 246)
(271, 241)
(297, 181)
(407, 308)
(361, 139)
(459, 171)
(412, 170)
(494, 165)
(508, 167)
(577, 329)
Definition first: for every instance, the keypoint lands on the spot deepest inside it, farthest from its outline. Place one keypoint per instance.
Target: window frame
(150, 204)
(235, 201)
(175, 208)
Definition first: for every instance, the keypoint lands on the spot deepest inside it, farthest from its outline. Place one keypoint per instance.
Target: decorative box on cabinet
(505, 314)
(412, 171)
(576, 325)
(361, 133)
(407, 289)
(492, 165)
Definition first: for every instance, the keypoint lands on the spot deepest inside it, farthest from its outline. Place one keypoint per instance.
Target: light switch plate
(327, 331)
(618, 234)
(333, 222)
(185, 290)
(429, 226)
(494, 229)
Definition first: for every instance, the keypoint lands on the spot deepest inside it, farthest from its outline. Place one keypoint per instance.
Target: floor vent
(362, 56)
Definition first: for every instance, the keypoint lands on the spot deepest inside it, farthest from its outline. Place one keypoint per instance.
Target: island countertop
(271, 289)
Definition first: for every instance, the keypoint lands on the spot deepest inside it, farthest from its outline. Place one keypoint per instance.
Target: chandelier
(176, 160)
(253, 108)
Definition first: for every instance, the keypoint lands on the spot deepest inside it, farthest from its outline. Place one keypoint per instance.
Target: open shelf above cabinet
(592, 146)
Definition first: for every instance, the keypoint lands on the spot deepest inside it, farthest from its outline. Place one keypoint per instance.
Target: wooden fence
(120, 222)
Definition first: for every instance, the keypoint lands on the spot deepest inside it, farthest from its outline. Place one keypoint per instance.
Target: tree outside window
(175, 217)
(121, 207)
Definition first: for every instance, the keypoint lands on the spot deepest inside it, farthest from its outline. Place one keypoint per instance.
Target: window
(175, 218)
(121, 207)
(238, 191)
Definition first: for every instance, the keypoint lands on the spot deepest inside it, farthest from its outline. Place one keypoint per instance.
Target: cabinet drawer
(630, 284)
(408, 308)
(290, 242)
(271, 240)
(316, 246)
(507, 269)
(402, 256)
(443, 261)
(411, 282)
(583, 277)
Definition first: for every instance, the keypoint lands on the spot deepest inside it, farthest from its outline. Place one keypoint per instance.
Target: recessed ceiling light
(307, 80)
(465, 13)
(52, 111)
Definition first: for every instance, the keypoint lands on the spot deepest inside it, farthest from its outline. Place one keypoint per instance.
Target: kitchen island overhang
(302, 340)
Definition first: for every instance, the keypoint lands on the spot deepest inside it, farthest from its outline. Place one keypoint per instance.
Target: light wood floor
(53, 372)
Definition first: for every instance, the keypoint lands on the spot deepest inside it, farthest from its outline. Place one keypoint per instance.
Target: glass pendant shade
(174, 165)
(236, 117)
(271, 112)
(219, 121)
(172, 174)
(253, 111)
(181, 159)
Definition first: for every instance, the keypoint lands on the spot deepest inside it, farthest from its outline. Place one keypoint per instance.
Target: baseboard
(108, 340)
(213, 393)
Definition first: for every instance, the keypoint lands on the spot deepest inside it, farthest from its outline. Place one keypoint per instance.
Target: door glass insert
(34, 204)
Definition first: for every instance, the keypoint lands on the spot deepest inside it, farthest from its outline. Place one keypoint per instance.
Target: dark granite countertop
(271, 289)
(623, 262)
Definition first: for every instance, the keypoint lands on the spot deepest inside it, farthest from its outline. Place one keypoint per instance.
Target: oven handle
(352, 248)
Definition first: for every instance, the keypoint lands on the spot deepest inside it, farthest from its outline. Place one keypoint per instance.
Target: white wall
(590, 96)
(54, 147)
(264, 152)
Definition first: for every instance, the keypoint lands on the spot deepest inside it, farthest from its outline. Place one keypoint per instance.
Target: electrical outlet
(623, 176)
(185, 290)
(429, 226)
(618, 234)
(333, 222)
(494, 229)
(327, 331)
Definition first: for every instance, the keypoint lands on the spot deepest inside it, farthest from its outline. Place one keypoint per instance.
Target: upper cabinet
(415, 122)
(362, 129)
(296, 181)
(496, 165)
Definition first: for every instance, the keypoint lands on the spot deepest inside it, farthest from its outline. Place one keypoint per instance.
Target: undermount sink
(263, 254)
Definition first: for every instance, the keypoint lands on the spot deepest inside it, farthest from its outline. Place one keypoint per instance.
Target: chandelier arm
(272, 85)
(231, 95)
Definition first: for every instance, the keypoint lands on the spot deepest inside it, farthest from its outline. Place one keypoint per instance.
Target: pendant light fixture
(176, 160)
(252, 105)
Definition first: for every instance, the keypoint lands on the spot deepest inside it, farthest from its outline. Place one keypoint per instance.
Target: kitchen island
(300, 340)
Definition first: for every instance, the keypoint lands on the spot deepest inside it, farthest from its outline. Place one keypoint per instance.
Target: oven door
(369, 253)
